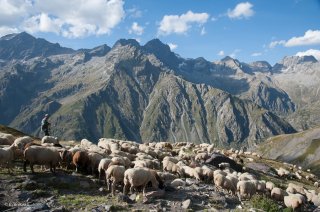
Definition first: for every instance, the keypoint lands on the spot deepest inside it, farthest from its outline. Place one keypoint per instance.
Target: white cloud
(276, 43)
(313, 52)
(13, 11)
(256, 54)
(72, 18)
(136, 29)
(181, 24)
(310, 38)
(242, 10)
(221, 53)
(172, 46)
(42, 23)
(7, 30)
(203, 31)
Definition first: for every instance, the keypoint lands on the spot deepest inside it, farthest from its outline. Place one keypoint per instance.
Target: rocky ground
(69, 191)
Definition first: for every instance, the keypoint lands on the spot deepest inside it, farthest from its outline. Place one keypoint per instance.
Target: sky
(249, 31)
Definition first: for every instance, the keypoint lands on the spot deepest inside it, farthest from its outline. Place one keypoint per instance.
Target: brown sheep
(81, 160)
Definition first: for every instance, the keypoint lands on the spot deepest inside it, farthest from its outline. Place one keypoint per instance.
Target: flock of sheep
(137, 166)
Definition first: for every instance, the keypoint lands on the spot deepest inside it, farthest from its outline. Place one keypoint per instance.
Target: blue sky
(246, 30)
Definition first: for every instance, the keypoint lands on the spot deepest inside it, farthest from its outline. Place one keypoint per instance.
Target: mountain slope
(141, 93)
(301, 148)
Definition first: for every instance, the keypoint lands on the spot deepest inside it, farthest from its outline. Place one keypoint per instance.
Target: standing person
(45, 125)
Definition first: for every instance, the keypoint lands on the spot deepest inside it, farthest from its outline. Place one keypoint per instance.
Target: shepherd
(45, 125)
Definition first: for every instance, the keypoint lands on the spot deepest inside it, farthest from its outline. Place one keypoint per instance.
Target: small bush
(264, 203)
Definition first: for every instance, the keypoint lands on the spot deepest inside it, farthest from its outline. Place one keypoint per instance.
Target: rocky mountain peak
(25, 46)
(260, 66)
(291, 61)
(162, 51)
(126, 42)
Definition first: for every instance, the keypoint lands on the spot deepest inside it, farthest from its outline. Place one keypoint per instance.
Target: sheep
(316, 184)
(124, 154)
(246, 189)
(50, 140)
(103, 166)
(225, 182)
(202, 157)
(232, 185)
(172, 159)
(94, 159)
(135, 177)
(163, 145)
(114, 175)
(207, 173)
(7, 155)
(190, 172)
(152, 164)
(81, 160)
(6, 139)
(278, 194)
(42, 156)
(269, 186)
(85, 143)
(22, 141)
(66, 157)
(247, 176)
(282, 172)
(143, 156)
(293, 188)
(172, 167)
(292, 201)
(162, 154)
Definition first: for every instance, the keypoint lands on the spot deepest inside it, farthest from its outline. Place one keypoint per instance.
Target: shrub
(264, 203)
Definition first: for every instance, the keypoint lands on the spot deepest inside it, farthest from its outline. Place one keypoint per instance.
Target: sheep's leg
(131, 189)
(144, 190)
(25, 166)
(100, 175)
(108, 184)
(125, 189)
(113, 188)
(31, 167)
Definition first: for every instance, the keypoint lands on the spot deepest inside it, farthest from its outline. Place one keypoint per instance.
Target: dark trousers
(46, 132)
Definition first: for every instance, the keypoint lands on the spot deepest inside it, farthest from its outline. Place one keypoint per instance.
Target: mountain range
(149, 93)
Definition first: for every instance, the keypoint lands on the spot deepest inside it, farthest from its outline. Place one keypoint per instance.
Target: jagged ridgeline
(148, 93)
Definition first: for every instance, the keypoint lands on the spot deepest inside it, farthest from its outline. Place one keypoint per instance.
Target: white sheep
(49, 140)
(103, 166)
(94, 159)
(172, 167)
(42, 156)
(293, 201)
(114, 175)
(135, 177)
(278, 194)
(85, 143)
(269, 186)
(282, 172)
(246, 189)
(7, 155)
(190, 172)
(22, 141)
(247, 176)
